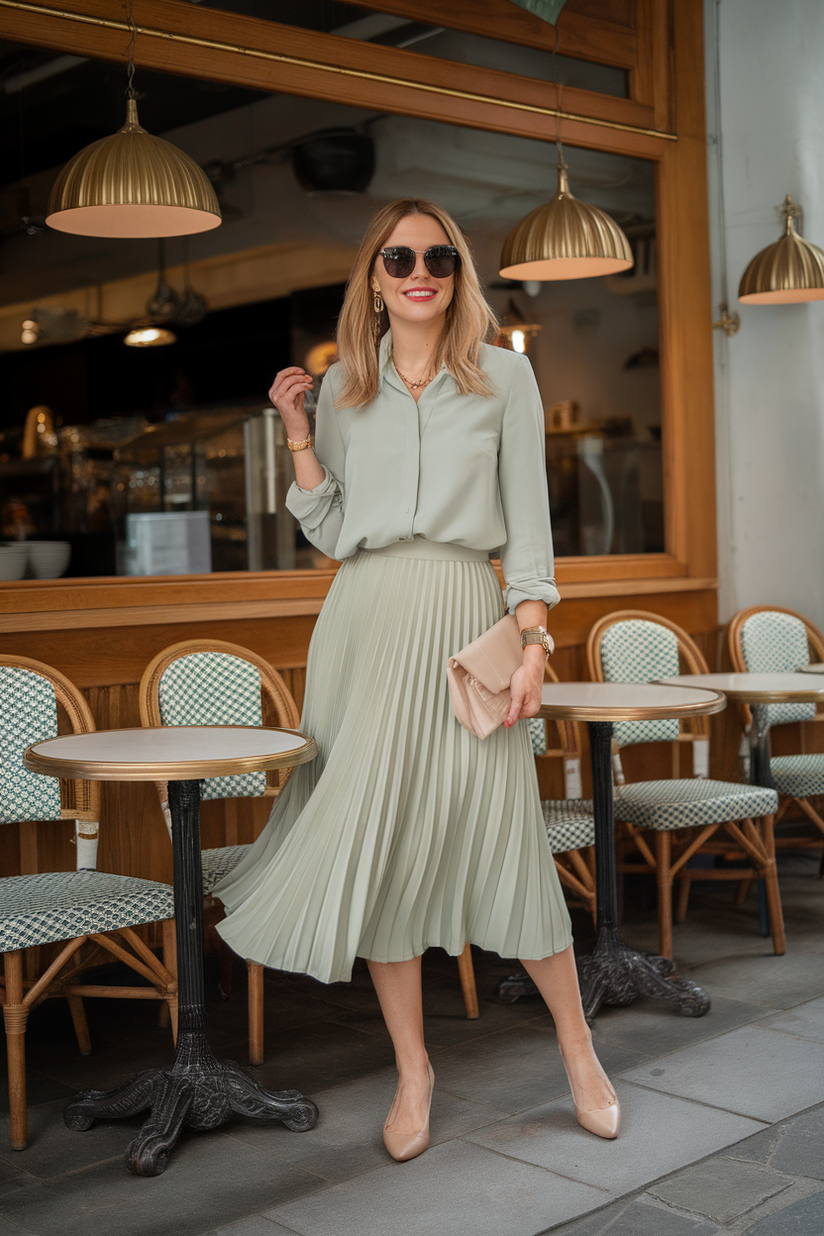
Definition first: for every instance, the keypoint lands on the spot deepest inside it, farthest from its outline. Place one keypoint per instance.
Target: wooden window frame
(663, 120)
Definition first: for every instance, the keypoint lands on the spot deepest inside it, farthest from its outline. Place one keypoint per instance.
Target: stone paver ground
(723, 1115)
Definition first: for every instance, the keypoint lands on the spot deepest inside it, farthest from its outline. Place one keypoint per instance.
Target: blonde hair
(469, 319)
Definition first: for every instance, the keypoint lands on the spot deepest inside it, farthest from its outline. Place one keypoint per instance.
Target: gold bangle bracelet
(300, 446)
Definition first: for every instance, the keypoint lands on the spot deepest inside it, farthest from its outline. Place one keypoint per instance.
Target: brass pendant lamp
(788, 272)
(132, 184)
(565, 239)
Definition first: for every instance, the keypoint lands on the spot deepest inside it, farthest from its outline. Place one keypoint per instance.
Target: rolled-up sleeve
(319, 511)
(526, 559)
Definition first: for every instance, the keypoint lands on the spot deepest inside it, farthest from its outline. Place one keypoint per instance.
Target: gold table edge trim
(595, 712)
(744, 695)
(169, 770)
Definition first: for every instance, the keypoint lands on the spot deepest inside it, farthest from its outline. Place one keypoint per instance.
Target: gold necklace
(412, 385)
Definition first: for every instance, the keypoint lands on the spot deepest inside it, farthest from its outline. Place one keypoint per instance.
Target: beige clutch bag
(479, 677)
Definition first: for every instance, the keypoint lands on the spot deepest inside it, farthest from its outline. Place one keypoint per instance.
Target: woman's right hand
(287, 394)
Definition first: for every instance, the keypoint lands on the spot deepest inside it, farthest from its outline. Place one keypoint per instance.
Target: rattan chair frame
(673, 850)
(815, 641)
(21, 992)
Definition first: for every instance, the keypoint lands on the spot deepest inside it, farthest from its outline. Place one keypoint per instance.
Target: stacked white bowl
(14, 556)
(48, 559)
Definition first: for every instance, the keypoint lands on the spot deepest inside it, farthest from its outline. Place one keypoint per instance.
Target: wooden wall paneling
(120, 654)
(570, 624)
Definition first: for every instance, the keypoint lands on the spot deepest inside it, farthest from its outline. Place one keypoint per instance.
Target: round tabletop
(756, 688)
(626, 701)
(169, 753)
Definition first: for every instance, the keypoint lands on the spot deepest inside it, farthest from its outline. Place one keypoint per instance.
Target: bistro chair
(684, 815)
(72, 909)
(768, 639)
(570, 824)
(211, 682)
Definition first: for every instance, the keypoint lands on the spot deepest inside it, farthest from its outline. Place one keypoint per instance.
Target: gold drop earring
(378, 305)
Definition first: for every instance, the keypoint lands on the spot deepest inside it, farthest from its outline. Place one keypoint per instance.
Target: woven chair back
(770, 640)
(30, 695)
(212, 682)
(637, 646)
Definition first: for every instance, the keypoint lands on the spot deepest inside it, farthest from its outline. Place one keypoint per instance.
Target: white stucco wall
(769, 98)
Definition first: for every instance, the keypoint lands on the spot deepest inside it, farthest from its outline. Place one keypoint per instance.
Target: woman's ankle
(412, 1067)
(576, 1043)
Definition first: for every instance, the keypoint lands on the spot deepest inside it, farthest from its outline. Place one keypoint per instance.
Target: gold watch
(538, 635)
(303, 445)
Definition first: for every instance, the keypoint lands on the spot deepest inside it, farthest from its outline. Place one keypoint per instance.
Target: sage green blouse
(466, 469)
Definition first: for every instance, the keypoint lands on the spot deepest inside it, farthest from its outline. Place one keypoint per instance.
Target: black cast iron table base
(197, 1091)
(614, 973)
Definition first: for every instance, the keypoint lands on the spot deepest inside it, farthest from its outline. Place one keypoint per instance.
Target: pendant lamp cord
(130, 90)
(559, 94)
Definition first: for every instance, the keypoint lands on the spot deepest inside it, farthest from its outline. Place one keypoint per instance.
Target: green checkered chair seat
(62, 905)
(667, 805)
(214, 688)
(799, 776)
(635, 650)
(776, 643)
(570, 824)
(218, 863)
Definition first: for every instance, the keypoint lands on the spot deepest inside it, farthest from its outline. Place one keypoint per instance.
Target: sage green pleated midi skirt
(406, 831)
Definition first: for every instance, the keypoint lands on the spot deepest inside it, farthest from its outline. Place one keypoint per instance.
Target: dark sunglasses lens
(441, 261)
(399, 262)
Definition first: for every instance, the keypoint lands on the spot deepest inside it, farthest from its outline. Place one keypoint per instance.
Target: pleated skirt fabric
(407, 831)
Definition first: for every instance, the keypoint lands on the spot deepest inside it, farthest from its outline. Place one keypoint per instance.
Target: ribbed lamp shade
(132, 185)
(565, 239)
(785, 273)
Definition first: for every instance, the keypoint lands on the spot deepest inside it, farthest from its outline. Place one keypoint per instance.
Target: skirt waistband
(438, 551)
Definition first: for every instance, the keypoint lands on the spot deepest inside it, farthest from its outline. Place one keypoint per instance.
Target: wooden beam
(263, 55)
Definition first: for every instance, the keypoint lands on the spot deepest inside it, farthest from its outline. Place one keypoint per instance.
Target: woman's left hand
(526, 685)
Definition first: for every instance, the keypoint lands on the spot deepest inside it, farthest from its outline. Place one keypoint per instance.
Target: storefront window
(134, 432)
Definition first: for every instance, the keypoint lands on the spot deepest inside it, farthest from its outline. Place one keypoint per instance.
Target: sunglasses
(440, 260)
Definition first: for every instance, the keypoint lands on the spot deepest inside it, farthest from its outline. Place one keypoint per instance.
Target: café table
(759, 691)
(195, 1091)
(614, 973)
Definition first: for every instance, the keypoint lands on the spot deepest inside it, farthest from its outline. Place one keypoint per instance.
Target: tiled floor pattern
(711, 1143)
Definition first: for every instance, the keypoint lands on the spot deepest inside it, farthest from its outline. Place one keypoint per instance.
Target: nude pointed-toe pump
(403, 1146)
(605, 1122)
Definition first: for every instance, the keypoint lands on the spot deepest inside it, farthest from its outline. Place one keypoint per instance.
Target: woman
(407, 831)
